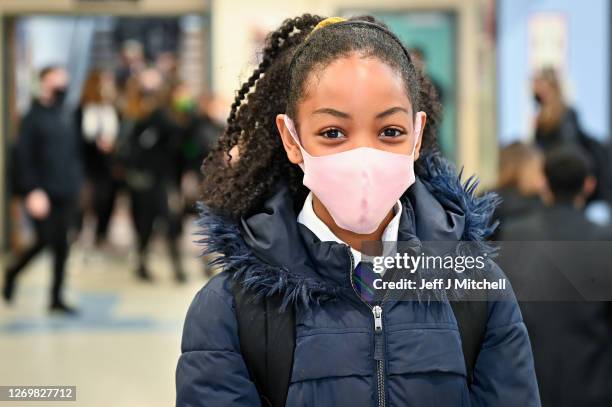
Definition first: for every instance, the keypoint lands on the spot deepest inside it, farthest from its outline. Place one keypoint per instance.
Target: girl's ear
(294, 154)
(420, 122)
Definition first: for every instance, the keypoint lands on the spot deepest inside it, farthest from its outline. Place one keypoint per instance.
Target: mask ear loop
(417, 132)
(291, 127)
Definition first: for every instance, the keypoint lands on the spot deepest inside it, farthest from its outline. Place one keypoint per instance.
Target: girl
(98, 125)
(328, 129)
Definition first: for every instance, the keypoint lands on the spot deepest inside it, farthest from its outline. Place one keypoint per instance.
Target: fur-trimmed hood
(270, 252)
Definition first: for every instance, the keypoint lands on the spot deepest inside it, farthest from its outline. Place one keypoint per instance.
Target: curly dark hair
(240, 188)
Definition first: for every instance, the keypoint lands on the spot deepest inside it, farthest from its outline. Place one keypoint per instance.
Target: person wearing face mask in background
(557, 125)
(50, 175)
(556, 122)
(152, 162)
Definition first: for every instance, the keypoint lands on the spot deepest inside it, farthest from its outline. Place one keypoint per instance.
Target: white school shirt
(308, 218)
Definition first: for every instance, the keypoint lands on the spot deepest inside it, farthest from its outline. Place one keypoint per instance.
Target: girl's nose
(364, 139)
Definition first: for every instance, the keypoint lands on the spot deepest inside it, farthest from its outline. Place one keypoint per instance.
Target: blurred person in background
(50, 177)
(152, 169)
(570, 181)
(210, 122)
(167, 65)
(571, 337)
(557, 124)
(131, 62)
(132, 105)
(184, 113)
(179, 116)
(520, 183)
(98, 125)
(207, 128)
(129, 101)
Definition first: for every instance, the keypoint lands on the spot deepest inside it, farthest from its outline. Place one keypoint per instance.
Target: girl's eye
(392, 132)
(333, 134)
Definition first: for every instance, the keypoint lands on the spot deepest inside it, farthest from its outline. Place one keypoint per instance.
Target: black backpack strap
(471, 316)
(267, 340)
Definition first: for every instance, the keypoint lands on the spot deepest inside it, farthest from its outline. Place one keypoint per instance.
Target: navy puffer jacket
(334, 363)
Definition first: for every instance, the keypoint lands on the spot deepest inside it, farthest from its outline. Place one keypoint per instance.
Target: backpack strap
(267, 340)
(472, 319)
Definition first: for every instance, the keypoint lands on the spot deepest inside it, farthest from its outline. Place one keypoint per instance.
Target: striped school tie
(363, 280)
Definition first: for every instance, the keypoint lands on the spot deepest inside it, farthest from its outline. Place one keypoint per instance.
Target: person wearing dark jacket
(558, 124)
(520, 183)
(50, 176)
(571, 334)
(153, 171)
(336, 145)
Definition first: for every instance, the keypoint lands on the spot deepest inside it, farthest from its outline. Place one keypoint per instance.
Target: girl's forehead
(357, 82)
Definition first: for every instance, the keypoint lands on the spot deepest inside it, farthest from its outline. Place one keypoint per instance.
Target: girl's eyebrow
(343, 115)
(391, 111)
(333, 112)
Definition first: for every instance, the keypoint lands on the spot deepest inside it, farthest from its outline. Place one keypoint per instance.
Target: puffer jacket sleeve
(504, 374)
(211, 370)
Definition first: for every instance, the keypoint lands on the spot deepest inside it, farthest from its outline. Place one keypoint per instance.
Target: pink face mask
(359, 186)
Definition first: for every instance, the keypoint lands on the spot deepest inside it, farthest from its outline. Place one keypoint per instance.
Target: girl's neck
(355, 240)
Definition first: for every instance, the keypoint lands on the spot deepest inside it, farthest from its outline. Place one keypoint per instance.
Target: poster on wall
(548, 42)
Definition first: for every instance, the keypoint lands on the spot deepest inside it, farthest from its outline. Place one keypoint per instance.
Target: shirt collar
(308, 218)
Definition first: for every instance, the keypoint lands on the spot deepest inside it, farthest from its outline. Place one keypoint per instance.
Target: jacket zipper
(379, 352)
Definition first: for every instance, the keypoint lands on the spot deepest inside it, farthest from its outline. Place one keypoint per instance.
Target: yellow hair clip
(325, 23)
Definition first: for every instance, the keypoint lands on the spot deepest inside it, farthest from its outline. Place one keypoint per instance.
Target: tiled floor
(123, 347)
